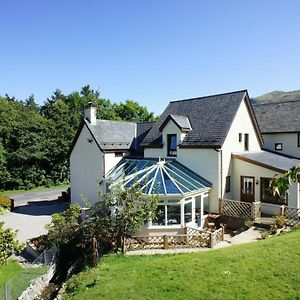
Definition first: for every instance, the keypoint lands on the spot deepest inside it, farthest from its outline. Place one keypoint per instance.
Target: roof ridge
(145, 122)
(276, 102)
(120, 121)
(208, 96)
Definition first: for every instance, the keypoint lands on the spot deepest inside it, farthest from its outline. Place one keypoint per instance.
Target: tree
(31, 104)
(117, 214)
(130, 210)
(281, 184)
(132, 111)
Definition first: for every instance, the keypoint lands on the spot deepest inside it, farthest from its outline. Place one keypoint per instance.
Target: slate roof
(278, 117)
(268, 160)
(181, 121)
(142, 130)
(210, 118)
(113, 135)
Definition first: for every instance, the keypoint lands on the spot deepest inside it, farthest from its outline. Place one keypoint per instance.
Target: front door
(247, 189)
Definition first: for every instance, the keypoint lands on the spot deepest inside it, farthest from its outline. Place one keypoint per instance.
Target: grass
(17, 278)
(40, 188)
(268, 269)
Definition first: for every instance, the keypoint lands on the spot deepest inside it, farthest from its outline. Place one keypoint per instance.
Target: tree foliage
(34, 140)
(281, 184)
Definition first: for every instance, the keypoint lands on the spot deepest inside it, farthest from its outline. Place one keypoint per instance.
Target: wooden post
(123, 244)
(166, 245)
(220, 206)
(211, 240)
(223, 231)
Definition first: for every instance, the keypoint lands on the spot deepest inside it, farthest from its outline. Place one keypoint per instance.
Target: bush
(5, 202)
(280, 221)
(249, 223)
(8, 243)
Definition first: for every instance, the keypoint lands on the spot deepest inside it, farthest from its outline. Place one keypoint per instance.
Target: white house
(198, 151)
(280, 126)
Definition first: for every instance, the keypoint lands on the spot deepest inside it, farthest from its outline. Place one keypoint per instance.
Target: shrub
(8, 243)
(5, 202)
(280, 221)
(249, 223)
(264, 234)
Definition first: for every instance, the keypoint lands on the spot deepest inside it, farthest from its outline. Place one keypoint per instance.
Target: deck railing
(194, 238)
(291, 214)
(239, 209)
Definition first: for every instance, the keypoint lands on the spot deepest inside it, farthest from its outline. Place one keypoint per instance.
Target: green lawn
(17, 277)
(268, 269)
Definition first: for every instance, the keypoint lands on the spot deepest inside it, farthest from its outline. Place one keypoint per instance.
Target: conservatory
(181, 191)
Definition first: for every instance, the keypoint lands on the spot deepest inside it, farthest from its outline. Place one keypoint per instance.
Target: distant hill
(277, 96)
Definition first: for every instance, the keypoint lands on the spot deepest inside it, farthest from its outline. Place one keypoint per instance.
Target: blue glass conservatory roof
(153, 176)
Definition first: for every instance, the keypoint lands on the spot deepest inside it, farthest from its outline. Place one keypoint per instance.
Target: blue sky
(148, 51)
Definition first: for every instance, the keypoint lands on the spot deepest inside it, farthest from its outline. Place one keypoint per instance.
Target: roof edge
(254, 162)
(208, 96)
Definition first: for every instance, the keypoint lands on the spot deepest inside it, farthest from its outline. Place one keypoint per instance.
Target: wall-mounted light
(257, 182)
(90, 140)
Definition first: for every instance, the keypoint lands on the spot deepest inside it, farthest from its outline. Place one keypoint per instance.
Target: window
(172, 145)
(240, 137)
(266, 194)
(227, 184)
(278, 146)
(246, 141)
(298, 139)
(168, 213)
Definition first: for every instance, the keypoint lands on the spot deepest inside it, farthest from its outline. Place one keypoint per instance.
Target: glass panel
(198, 209)
(186, 176)
(185, 183)
(188, 212)
(170, 186)
(158, 187)
(248, 185)
(173, 214)
(173, 143)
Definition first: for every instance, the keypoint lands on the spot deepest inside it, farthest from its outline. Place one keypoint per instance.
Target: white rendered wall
(204, 162)
(289, 143)
(243, 168)
(241, 124)
(86, 163)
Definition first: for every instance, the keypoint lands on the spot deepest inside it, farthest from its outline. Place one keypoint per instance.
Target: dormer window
(172, 145)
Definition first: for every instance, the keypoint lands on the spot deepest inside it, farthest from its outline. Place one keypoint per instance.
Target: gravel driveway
(32, 212)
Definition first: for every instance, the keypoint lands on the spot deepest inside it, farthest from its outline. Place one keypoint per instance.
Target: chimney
(90, 113)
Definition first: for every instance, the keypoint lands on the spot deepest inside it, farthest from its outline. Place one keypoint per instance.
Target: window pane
(198, 209)
(173, 216)
(188, 212)
(173, 144)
